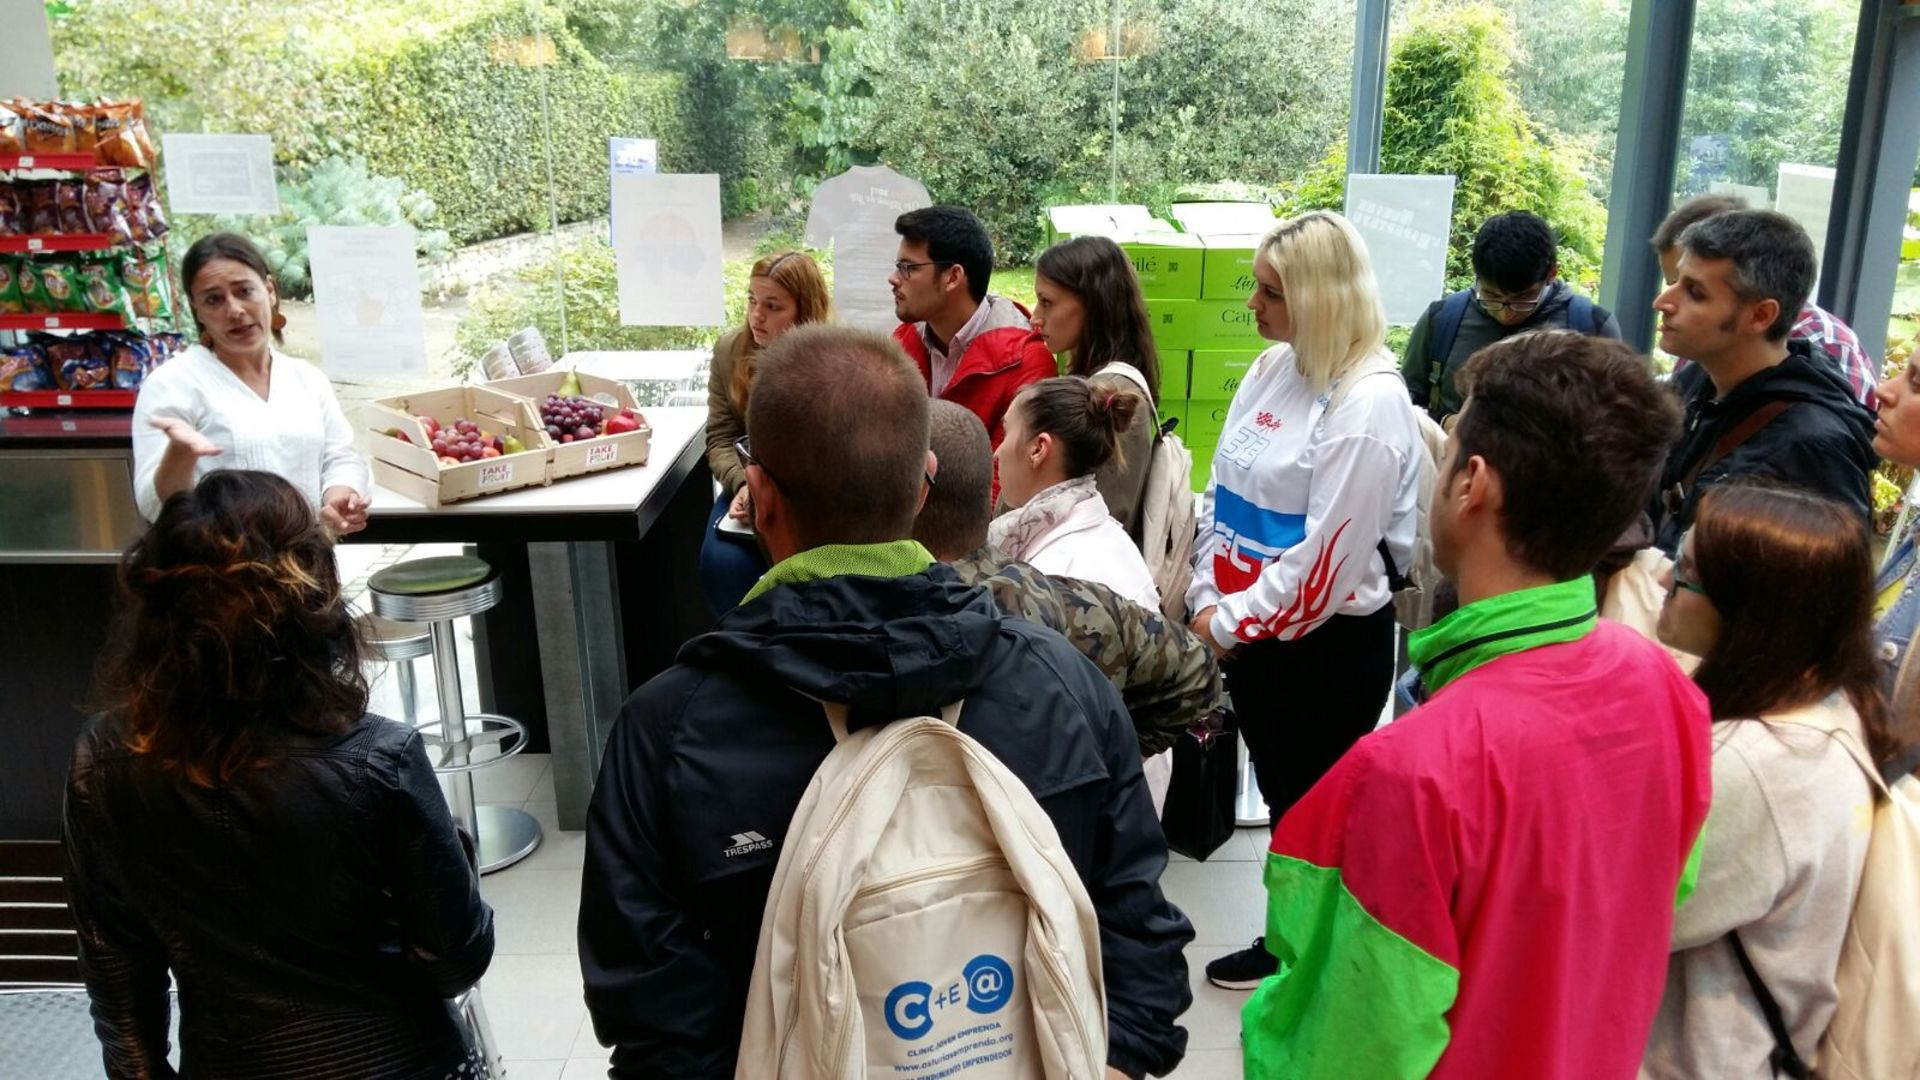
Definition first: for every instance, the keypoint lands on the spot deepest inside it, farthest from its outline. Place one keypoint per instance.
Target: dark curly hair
(231, 623)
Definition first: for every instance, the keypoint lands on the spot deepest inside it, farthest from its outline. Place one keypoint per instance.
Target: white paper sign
(220, 174)
(667, 249)
(366, 297)
(1752, 194)
(630, 156)
(1806, 196)
(1405, 221)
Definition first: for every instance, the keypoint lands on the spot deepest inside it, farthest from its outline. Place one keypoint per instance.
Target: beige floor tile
(558, 850)
(1225, 900)
(536, 912)
(534, 1005)
(1207, 1065)
(534, 1070)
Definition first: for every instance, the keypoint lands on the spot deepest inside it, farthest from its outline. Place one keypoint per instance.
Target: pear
(570, 385)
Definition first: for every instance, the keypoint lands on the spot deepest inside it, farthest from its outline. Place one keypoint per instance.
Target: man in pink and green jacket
(1485, 888)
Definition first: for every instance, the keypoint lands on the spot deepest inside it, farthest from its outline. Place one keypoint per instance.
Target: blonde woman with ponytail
(1308, 518)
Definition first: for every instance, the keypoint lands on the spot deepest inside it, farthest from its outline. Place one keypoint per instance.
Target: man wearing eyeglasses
(1516, 289)
(974, 349)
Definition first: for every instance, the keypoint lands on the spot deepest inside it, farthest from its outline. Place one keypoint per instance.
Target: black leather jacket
(317, 912)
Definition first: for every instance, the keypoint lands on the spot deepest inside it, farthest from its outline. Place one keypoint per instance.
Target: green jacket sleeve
(725, 425)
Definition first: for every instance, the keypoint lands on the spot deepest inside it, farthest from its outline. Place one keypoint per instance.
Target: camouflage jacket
(1166, 675)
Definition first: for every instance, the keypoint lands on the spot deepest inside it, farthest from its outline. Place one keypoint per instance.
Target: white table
(579, 536)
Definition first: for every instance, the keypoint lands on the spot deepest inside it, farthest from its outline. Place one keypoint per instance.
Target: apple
(490, 452)
(432, 426)
(621, 422)
(447, 459)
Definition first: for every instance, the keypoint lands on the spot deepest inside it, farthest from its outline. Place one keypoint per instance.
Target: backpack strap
(1441, 333)
(837, 716)
(1734, 438)
(1785, 1058)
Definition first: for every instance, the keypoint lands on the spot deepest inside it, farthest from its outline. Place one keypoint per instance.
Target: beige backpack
(1875, 1032)
(1167, 523)
(1413, 596)
(924, 920)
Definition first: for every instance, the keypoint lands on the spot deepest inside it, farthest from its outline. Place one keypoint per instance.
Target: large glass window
(1766, 93)
(485, 124)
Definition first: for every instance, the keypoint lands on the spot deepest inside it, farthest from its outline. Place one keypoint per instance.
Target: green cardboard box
(1202, 474)
(1216, 373)
(1225, 324)
(1227, 270)
(1206, 417)
(1172, 322)
(1173, 408)
(1168, 264)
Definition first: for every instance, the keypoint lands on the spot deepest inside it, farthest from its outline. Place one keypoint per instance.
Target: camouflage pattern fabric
(1166, 675)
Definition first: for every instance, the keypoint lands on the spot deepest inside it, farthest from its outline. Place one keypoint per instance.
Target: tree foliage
(1452, 107)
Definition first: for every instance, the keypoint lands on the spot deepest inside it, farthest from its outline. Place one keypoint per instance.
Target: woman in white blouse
(234, 402)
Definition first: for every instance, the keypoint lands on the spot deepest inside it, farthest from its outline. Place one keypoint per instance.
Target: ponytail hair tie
(1109, 403)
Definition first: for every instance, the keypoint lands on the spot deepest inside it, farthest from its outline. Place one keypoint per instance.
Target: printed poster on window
(667, 249)
(220, 174)
(366, 299)
(1405, 221)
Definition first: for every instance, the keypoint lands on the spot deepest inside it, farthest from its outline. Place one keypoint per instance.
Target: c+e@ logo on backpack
(984, 988)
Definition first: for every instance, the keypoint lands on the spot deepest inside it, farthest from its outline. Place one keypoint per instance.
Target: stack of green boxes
(1196, 290)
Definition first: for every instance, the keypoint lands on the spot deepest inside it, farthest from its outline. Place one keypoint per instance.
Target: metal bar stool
(435, 592)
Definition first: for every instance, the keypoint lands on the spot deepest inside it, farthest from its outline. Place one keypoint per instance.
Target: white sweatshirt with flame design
(1292, 519)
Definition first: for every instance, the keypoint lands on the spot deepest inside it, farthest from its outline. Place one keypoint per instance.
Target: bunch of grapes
(569, 419)
(463, 441)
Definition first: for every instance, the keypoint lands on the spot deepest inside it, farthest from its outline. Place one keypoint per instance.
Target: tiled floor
(532, 991)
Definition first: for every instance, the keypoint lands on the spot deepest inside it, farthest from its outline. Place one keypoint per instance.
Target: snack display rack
(82, 163)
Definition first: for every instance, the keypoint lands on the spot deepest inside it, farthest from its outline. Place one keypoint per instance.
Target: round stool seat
(431, 590)
(391, 640)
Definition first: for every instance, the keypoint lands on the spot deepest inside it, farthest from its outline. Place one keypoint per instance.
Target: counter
(604, 563)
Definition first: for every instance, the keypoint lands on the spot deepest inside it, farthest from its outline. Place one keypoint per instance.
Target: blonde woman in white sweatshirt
(1313, 492)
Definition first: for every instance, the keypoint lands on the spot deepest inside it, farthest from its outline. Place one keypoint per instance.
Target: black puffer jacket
(317, 912)
(1822, 443)
(721, 747)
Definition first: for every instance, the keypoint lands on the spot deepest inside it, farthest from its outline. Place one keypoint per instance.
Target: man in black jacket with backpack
(1517, 289)
(1757, 404)
(708, 761)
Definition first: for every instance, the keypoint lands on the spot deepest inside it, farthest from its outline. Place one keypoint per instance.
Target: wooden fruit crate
(414, 470)
(591, 455)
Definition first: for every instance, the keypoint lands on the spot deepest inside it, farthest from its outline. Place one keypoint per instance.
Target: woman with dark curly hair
(234, 816)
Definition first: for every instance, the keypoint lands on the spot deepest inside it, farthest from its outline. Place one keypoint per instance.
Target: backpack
(1166, 520)
(1412, 586)
(1871, 1035)
(924, 919)
(1583, 315)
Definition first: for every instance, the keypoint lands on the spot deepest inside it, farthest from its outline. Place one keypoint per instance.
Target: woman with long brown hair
(1773, 590)
(784, 290)
(236, 818)
(1088, 306)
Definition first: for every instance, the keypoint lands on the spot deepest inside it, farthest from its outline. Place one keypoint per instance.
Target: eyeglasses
(1680, 582)
(1518, 307)
(906, 269)
(744, 447)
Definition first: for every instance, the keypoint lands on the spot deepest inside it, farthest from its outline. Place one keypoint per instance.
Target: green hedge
(448, 118)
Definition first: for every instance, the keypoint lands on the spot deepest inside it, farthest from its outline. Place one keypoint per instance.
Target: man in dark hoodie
(707, 762)
(1757, 404)
(1516, 290)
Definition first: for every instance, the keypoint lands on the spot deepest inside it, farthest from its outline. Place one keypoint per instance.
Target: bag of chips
(24, 367)
(13, 212)
(129, 358)
(149, 222)
(43, 213)
(69, 202)
(33, 298)
(80, 362)
(105, 203)
(13, 129)
(144, 271)
(60, 280)
(101, 287)
(49, 130)
(10, 299)
(120, 133)
(164, 347)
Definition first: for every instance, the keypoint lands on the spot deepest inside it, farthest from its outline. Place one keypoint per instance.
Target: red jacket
(996, 365)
